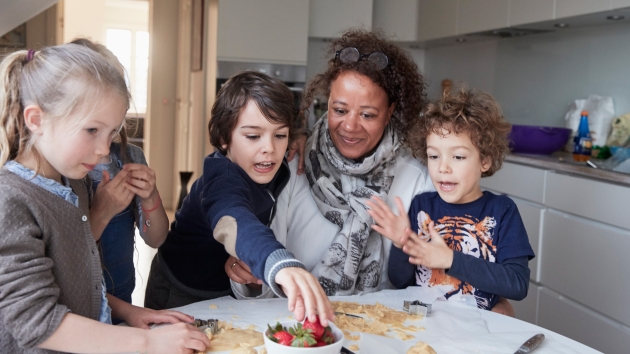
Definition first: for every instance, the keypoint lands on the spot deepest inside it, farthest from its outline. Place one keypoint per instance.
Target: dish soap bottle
(582, 143)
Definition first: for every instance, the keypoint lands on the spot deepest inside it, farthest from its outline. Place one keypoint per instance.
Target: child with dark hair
(460, 238)
(229, 207)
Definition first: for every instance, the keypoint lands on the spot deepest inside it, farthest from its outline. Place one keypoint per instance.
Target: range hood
(510, 32)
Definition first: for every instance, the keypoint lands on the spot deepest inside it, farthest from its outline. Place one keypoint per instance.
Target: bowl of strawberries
(293, 337)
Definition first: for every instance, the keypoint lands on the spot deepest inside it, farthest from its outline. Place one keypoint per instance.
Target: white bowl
(275, 348)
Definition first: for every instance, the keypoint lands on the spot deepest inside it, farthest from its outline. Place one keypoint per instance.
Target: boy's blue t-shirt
(489, 228)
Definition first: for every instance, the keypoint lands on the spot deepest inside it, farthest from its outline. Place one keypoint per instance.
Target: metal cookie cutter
(211, 324)
(417, 308)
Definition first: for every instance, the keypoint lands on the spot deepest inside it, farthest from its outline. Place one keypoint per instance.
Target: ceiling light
(561, 25)
(460, 40)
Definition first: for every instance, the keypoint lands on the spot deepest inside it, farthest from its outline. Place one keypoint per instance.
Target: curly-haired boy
(460, 238)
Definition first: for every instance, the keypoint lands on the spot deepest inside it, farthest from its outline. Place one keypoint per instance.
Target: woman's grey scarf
(340, 188)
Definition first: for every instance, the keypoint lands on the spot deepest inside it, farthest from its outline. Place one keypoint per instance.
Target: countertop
(562, 162)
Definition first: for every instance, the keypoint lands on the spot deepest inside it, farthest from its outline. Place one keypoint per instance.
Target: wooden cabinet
(329, 18)
(569, 318)
(481, 15)
(269, 31)
(523, 12)
(568, 8)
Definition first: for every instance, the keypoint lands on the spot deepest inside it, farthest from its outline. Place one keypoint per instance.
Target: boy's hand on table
(239, 272)
(388, 224)
(305, 294)
(431, 254)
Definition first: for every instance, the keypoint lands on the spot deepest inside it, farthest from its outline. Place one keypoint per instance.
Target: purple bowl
(527, 139)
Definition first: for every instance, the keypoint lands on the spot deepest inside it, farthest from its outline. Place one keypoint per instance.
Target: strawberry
(302, 337)
(320, 343)
(284, 338)
(328, 337)
(316, 328)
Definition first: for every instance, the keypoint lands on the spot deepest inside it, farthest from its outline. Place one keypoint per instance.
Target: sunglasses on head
(351, 55)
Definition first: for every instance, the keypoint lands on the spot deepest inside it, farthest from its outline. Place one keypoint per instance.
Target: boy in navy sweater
(459, 238)
(229, 207)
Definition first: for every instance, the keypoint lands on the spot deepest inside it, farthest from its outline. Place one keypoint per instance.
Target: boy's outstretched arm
(305, 294)
(387, 223)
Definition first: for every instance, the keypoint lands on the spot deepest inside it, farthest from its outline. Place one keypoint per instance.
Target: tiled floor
(142, 259)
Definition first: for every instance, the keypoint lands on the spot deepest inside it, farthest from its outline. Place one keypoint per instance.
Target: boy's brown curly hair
(469, 111)
(401, 79)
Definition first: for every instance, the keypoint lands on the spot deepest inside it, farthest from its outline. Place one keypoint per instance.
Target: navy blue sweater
(490, 248)
(224, 191)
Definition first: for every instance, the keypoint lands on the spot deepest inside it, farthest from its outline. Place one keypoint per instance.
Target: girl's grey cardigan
(49, 262)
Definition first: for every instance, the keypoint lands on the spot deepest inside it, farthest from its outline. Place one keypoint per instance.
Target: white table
(451, 327)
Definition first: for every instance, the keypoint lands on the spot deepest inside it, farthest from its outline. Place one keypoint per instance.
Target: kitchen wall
(535, 78)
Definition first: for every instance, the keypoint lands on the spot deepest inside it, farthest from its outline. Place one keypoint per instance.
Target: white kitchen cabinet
(568, 8)
(481, 15)
(564, 316)
(532, 215)
(519, 181)
(437, 19)
(619, 4)
(588, 198)
(269, 31)
(587, 261)
(523, 12)
(527, 309)
(398, 18)
(330, 18)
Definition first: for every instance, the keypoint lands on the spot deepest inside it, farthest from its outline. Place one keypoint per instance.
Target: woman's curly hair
(472, 112)
(401, 79)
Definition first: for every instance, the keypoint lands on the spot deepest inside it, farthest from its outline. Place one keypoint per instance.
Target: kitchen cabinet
(398, 18)
(532, 215)
(564, 316)
(588, 198)
(619, 4)
(329, 18)
(527, 309)
(437, 19)
(523, 12)
(580, 232)
(568, 8)
(518, 180)
(481, 15)
(269, 31)
(587, 261)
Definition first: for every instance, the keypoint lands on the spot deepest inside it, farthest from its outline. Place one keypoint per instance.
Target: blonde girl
(60, 108)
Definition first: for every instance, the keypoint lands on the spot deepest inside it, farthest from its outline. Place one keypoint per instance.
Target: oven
(294, 76)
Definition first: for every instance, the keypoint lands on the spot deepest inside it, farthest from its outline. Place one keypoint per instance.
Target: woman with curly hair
(355, 151)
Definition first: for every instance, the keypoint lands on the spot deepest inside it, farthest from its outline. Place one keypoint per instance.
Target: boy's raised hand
(433, 254)
(305, 294)
(389, 224)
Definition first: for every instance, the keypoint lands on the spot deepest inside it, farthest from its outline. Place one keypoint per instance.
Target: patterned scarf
(340, 187)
